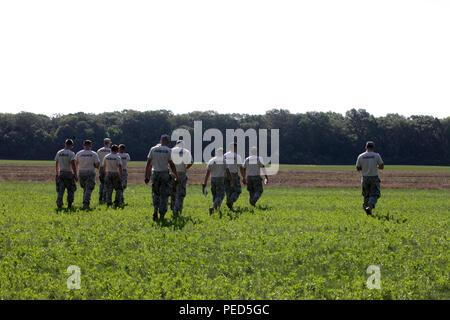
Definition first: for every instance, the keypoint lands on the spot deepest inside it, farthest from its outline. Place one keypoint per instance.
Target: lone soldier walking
(157, 171)
(66, 174)
(102, 152)
(368, 163)
(252, 171)
(234, 164)
(86, 161)
(218, 171)
(125, 157)
(112, 164)
(183, 161)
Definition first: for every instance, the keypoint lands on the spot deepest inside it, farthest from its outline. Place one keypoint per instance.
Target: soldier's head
(87, 144)
(370, 146)
(165, 140)
(114, 148)
(121, 148)
(107, 142)
(253, 151)
(233, 147)
(69, 144)
(219, 152)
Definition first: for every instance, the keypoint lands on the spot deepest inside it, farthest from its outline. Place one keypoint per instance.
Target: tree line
(305, 138)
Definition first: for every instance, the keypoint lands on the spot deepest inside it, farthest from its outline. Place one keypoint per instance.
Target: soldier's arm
(205, 181)
(173, 168)
(74, 168)
(190, 163)
(380, 163)
(230, 178)
(57, 170)
(243, 170)
(358, 165)
(148, 170)
(263, 169)
(120, 171)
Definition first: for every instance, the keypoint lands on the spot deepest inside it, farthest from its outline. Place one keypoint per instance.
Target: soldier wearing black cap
(87, 160)
(158, 161)
(368, 163)
(66, 174)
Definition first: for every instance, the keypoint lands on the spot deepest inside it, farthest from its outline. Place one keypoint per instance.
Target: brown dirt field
(285, 177)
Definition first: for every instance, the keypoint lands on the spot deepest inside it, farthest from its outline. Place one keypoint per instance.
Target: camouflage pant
(65, 181)
(101, 177)
(113, 182)
(233, 193)
(178, 193)
(124, 182)
(160, 191)
(218, 191)
(370, 190)
(254, 187)
(87, 182)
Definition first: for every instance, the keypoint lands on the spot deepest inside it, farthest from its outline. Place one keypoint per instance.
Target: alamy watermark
(74, 281)
(374, 280)
(256, 139)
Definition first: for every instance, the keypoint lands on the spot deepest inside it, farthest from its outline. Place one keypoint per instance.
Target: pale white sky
(387, 56)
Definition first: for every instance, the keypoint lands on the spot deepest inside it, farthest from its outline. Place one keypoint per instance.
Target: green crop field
(299, 243)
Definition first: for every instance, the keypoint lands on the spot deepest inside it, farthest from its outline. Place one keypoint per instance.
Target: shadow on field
(177, 223)
(238, 211)
(263, 207)
(389, 217)
(74, 209)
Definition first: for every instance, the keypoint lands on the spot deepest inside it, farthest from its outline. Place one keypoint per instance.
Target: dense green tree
(307, 138)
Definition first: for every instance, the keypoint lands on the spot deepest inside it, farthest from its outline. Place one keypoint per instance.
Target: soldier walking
(66, 174)
(86, 161)
(183, 161)
(102, 152)
(125, 157)
(253, 166)
(368, 163)
(234, 164)
(219, 172)
(157, 171)
(112, 164)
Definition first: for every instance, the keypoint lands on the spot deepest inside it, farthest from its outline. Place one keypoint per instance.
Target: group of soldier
(224, 170)
(167, 168)
(111, 162)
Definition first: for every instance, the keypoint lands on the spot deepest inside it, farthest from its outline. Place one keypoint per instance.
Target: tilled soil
(285, 177)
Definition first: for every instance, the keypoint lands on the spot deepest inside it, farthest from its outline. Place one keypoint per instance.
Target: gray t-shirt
(253, 164)
(217, 167)
(86, 160)
(125, 158)
(160, 155)
(233, 161)
(112, 162)
(368, 161)
(181, 157)
(102, 152)
(64, 157)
